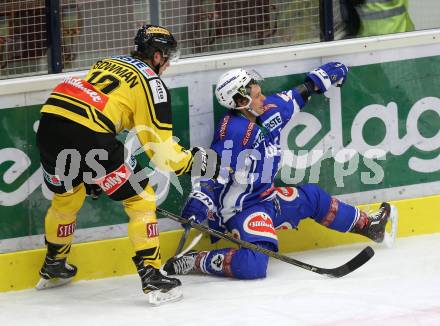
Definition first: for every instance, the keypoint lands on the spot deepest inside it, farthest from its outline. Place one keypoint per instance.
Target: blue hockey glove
(198, 207)
(332, 73)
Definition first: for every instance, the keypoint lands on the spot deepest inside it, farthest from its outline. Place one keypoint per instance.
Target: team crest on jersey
(114, 180)
(261, 224)
(248, 133)
(287, 193)
(158, 91)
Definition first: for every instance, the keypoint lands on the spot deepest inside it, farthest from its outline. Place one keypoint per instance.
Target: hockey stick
(182, 240)
(356, 262)
(190, 246)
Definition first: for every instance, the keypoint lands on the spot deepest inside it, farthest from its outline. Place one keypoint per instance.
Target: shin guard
(143, 230)
(60, 221)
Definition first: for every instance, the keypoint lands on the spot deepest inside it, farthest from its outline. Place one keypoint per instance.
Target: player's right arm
(153, 125)
(318, 81)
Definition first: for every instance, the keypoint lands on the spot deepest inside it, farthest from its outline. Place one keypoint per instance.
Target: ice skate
(181, 265)
(375, 228)
(54, 273)
(159, 288)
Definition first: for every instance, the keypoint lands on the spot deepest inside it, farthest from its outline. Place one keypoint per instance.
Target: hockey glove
(332, 73)
(198, 207)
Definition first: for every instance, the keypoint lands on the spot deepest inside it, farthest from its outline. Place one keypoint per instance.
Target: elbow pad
(204, 165)
(305, 90)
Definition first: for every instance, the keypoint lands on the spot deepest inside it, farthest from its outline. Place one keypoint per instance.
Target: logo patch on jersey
(65, 230)
(145, 70)
(132, 162)
(52, 179)
(287, 193)
(114, 180)
(158, 91)
(284, 226)
(224, 125)
(286, 96)
(83, 91)
(150, 73)
(269, 106)
(258, 139)
(235, 233)
(273, 121)
(211, 215)
(261, 224)
(217, 262)
(268, 192)
(152, 230)
(248, 133)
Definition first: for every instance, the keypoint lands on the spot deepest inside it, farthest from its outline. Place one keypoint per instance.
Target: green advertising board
(391, 108)
(24, 198)
(380, 132)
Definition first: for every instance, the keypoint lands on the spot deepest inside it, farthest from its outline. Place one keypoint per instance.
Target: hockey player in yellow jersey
(76, 139)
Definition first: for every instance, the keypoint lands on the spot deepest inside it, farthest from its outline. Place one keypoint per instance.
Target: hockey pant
(252, 225)
(258, 223)
(118, 180)
(294, 204)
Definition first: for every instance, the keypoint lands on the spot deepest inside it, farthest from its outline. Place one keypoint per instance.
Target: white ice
(399, 286)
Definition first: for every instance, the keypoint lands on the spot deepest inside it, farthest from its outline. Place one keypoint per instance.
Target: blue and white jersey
(250, 153)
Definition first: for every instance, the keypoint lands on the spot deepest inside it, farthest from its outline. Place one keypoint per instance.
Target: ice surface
(399, 286)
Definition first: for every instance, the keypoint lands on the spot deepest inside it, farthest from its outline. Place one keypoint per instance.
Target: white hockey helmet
(235, 81)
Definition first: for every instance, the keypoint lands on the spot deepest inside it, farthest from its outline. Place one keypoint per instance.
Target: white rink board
(399, 286)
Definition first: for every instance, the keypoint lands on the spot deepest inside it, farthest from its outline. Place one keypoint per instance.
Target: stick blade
(360, 259)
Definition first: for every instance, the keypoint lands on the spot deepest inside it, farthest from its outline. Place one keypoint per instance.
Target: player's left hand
(198, 207)
(331, 73)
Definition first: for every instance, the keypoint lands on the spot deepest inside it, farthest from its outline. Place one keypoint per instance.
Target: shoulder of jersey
(236, 128)
(139, 65)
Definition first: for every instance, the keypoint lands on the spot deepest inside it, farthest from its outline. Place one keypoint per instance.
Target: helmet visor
(255, 79)
(172, 54)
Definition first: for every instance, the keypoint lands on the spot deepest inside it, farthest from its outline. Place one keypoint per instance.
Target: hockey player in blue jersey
(243, 199)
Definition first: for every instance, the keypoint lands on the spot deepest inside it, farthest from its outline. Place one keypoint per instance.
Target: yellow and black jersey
(122, 93)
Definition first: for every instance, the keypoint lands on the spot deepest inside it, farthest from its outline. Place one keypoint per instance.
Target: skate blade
(44, 284)
(390, 236)
(157, 298)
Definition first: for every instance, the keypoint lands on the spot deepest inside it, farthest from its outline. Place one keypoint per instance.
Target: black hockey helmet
(152, 38)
